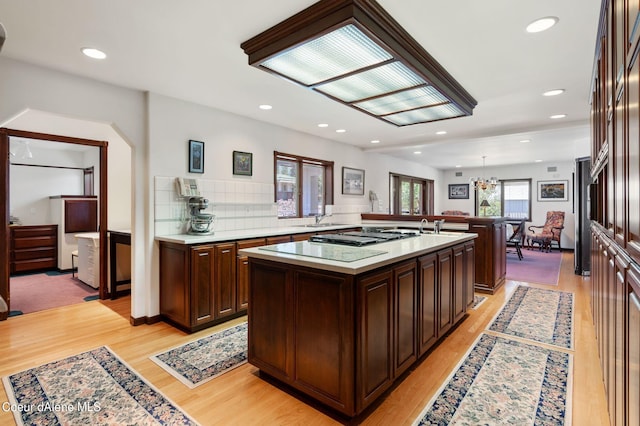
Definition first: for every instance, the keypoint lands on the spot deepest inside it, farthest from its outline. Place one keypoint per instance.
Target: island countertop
(355, 260)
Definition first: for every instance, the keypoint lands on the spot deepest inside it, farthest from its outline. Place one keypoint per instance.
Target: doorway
(5, 136)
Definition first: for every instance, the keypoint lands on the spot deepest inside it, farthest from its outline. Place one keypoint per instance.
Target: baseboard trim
(144, 320)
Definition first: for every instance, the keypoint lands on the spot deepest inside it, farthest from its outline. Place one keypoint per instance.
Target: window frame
(426, 196)
(302, 160)
(501, 183)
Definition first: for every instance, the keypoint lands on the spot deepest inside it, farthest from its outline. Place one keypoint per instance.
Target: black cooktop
(356, 238)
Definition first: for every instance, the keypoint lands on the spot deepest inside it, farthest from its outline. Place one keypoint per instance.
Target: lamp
(354, 52)
(484, 204)
(481, 182)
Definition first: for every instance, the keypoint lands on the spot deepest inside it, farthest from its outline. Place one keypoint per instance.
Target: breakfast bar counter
(341, 324)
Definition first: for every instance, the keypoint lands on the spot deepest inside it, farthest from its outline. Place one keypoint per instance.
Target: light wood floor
(241, 397)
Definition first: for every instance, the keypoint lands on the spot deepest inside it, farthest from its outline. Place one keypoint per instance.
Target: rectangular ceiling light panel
(373, 82)
(354, 52)
(402, 101)
(334, 54)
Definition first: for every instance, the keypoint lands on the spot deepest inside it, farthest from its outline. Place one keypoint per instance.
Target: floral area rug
(198, 362)
(502, 381)
(92, 388)
(477, 301)
(541, 315)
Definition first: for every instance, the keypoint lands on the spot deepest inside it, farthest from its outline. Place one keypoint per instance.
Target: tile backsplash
(236, 206)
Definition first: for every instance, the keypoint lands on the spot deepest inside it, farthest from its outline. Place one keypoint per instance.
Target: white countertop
(377, 255)
(247, 233)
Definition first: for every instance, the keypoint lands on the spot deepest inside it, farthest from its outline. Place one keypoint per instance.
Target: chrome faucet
(319, 217)
(423, 222)
(437, 225)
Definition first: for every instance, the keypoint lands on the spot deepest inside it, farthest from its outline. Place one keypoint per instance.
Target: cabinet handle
(226, 251)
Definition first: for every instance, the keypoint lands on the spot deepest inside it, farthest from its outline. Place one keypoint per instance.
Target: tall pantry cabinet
(615, 206)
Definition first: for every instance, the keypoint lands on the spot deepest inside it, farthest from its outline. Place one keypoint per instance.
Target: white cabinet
(89, 258)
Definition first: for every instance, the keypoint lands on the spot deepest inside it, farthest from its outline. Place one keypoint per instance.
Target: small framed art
(242, 163)
(196, 156)
(352, 181)
(553, 190)
(458, 191)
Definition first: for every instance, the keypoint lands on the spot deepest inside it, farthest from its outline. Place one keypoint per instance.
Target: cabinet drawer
(36, 253)
(35, 231)
(31, 242)
(32, 265)
(256, 242)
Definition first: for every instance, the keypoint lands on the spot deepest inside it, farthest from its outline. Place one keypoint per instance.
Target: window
(510, 198)
(304, 186)
(410, 195)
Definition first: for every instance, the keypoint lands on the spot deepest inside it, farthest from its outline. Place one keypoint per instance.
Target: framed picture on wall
(352, 181)
(458, 191)
(242, 163)
(553, 190)
(196, 157)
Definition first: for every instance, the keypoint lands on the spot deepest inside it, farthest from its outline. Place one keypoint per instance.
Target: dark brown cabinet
(32, 248)
(197, 284)
(344, 339)
(242, 274)
(469, 274)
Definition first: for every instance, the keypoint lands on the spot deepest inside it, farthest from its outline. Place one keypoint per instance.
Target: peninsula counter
(341, 324)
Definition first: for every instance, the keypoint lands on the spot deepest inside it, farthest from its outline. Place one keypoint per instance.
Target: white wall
(31, 187)
(536, 172)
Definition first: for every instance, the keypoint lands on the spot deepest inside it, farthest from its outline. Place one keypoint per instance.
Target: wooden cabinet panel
(469, 274)
(445, 291)
(427, 317)
(242, 273)
(323, 312)
(225, 279)
(405, 316)
(633, 352)
(375, 353)
(458, 305)
(270, 326)
(175, 290)
(202, 292)
(303, 237)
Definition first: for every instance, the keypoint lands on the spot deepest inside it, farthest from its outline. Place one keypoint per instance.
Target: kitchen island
(342, 324)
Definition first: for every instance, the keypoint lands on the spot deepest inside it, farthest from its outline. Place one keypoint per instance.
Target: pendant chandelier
(481, 182)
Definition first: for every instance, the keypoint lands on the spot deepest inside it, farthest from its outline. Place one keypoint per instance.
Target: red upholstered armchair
(548, 233)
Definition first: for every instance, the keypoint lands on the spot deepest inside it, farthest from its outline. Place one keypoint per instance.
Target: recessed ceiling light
(458, 166)
(554, 117)
(538, 161)
(265, 107)
(323, 125)
(542, 24)
(554, 92)
(525, 141)
(417, 152)
(375, 141)
(441, 132)
(340, 131)
(93, 53)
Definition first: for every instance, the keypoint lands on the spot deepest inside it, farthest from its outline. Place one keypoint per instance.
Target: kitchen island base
(344, 339)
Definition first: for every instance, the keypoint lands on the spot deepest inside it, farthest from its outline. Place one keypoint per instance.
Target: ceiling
(191, 51)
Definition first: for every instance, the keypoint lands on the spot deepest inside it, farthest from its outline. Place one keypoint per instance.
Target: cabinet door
(469, 273)
(225, 279)
(459, 304)
(202, 292)
(405, 316)
(445, 291)
(427, 308)
(242, 272)
(375, 353)
(633, 355)
(242, 277)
